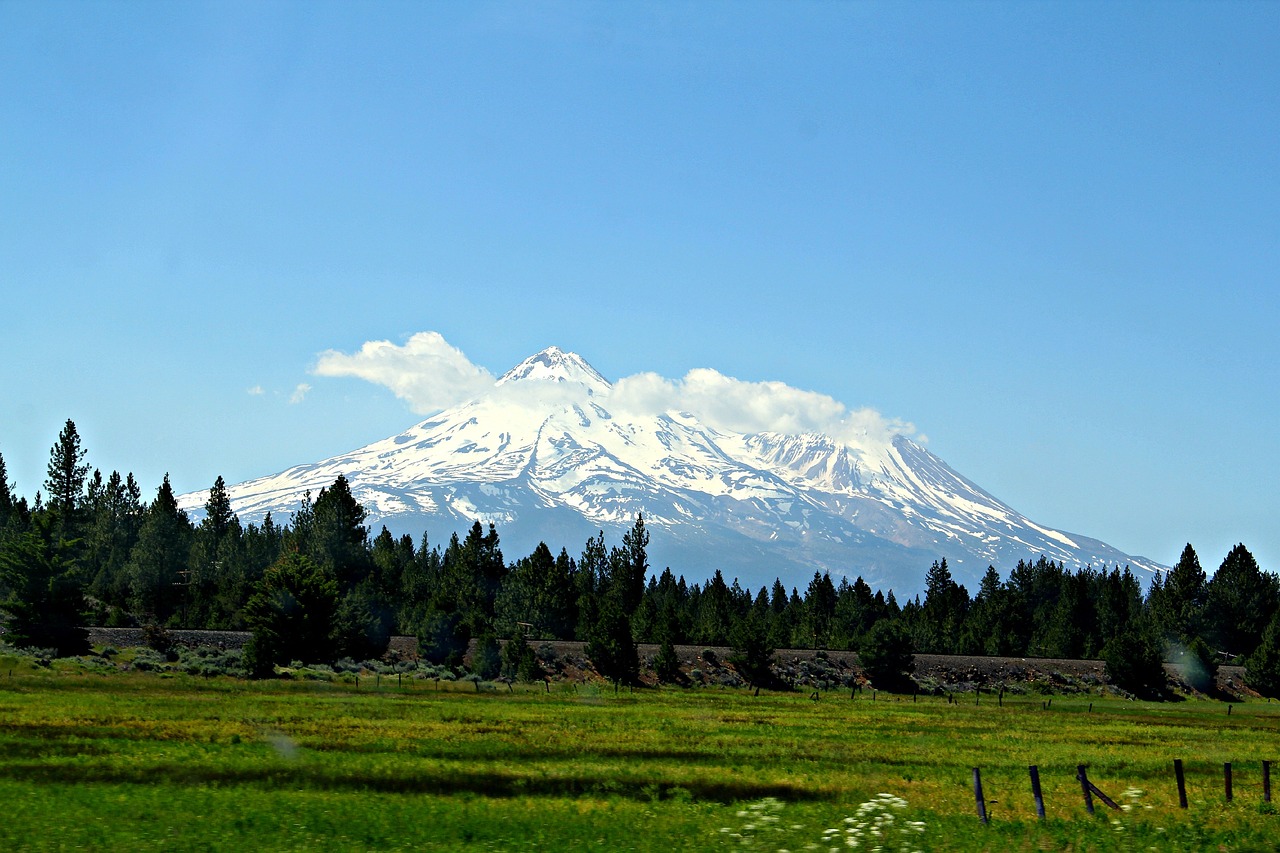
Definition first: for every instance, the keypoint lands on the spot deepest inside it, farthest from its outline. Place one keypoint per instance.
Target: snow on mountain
(543, 457)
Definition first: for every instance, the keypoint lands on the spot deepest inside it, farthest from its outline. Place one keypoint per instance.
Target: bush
(666, 665)
(486, 662)
(887, 653)
(519, 661)
(443, 637)
(1134, 662)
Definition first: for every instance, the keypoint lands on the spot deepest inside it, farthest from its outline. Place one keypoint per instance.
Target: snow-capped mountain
(545, 455)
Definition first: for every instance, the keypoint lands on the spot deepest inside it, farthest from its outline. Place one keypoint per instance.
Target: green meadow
(91, 760)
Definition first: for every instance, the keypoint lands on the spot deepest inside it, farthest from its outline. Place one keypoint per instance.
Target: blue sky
(1045, 234)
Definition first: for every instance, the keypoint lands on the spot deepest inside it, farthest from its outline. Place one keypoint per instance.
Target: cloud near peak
(430, 374)
(427, 372)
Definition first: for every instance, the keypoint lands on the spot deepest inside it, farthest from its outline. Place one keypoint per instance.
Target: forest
(89, 550)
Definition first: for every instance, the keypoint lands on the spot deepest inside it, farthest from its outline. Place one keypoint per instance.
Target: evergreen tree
(336, 536)
(988, 627)
(363, 624)
(486, 661)
(887, 653)
(610, 648)
(291, 614)
(518, 660)
(590, 584)
(1262, 667)
(1133, 659)
(1239, 603)
(156, 570)
(45, 590)
(218, 578)
(819, 611)
(1178, 605)
(714, 613)
(937, 630)
(65, 483)
(750, 650)
(7, 502)
(666, 663)
(629, 566)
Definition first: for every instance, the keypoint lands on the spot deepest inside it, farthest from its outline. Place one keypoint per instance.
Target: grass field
(137, 761)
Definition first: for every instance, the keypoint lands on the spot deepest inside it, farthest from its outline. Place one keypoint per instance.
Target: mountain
(547, 455)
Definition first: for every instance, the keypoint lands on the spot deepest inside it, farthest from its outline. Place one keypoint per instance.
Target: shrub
(519, 661)
(1133, 660)
(486, 662)
(666, 665)
(887, 653)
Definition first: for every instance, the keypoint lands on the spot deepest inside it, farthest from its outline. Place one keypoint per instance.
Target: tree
(1177, 606)
(66, 476)
(610, 647)
(363, 623)
(887, 654)
(519, 661)
(629, 566)
(45, 596)
(218, 579)
(1262, 668)
(337, 538)
(159, 557)
(666, 663)
(1239, 603)
(1133, 659)
(942, 616)
(115, 515)
(291, 614)
(486, 661)
(7, 503)
(751, 653)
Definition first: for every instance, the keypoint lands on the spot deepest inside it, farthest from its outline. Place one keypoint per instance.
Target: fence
(1089, 790)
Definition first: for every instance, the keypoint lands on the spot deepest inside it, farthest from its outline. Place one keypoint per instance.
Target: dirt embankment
(798, 668)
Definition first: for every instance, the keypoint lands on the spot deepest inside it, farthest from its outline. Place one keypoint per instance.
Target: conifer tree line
(90, 550)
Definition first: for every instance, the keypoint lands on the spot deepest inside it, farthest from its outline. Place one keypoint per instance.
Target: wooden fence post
(1084, 787)
(1266, 781)
(1035, 791)
(1182, 782)
(977, 795)
(1226, 779)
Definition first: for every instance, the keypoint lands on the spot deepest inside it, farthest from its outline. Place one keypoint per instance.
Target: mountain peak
(555, 365)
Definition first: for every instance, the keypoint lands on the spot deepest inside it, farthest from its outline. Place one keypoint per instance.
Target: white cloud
(299, 393)
(427, 372)
(256, 391)
(430, 374)
(732, 404)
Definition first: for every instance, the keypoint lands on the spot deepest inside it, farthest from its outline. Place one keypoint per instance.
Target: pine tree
(6, 497)
(1133, 659)
(887, 653)
(115, 515)
(1239, 603)
(1178, 606)
(337, 538)
(1262, 667)
(751, 653)
(157, 566)
(630, 566)
(218, 577)
(291, 614)
(610, 647)
(45, 597)
(65, 483)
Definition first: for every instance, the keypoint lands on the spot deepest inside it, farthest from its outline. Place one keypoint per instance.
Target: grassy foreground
(136, 761)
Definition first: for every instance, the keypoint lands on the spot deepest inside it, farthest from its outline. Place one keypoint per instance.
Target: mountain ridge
(550, 454)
